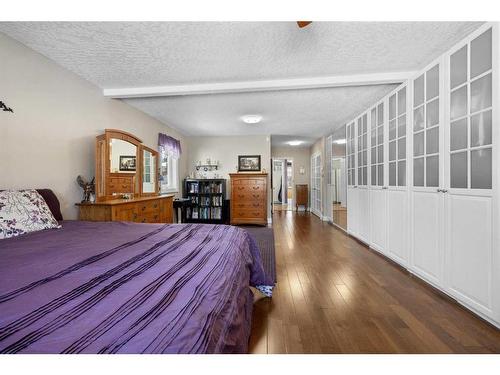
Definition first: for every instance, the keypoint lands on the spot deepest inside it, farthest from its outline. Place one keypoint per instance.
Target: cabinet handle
(385, 187)
(444, 191)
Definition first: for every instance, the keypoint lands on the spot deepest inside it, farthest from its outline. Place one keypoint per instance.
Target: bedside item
(88, 188)
(249, 163)
(24, 211)
(301, 196)
(207, 199)
(248, 198)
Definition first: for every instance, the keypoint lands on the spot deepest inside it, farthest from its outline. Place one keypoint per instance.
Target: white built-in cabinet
(422, 170)
(316, 184)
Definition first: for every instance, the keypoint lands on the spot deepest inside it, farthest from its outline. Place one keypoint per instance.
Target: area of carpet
(264, 237)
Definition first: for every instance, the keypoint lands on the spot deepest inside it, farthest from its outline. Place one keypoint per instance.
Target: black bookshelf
(208, 200)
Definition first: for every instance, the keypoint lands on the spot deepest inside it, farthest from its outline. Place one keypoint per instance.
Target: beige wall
(226, 151)
(49, 139)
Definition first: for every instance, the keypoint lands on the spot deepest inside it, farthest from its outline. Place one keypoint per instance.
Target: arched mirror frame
(105, 178)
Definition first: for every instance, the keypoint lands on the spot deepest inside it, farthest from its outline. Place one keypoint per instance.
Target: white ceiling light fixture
(251, 119)
(295, 143)
(340, 141)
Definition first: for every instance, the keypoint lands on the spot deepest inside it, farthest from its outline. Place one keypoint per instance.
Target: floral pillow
(24, 211)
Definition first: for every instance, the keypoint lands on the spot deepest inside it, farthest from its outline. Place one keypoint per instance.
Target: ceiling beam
(256, 86)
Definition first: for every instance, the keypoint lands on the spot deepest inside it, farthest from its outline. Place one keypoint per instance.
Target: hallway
(334, 295)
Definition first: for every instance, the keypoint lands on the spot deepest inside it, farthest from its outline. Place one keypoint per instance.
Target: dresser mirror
(123, 156)
(124, 167)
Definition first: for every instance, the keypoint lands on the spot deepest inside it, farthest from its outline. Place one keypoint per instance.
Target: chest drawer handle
(135, 216)
(241, 196)
(143, 208)
(241, 188)
(256, 195)
(255, 187)
(155, 205)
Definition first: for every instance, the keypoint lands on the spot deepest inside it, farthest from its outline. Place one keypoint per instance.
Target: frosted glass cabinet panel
(481, 54)
(397, 138)
(458, 64)
(377, 147)
(471, 115)
(426, 122)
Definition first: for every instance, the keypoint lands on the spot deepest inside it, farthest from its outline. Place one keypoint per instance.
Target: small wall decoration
(248, 163)
(4, 107)
(127, 163)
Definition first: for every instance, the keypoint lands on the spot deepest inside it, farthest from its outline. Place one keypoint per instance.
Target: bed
(117, 287)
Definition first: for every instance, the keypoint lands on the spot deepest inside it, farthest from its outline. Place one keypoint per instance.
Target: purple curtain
(169, 145)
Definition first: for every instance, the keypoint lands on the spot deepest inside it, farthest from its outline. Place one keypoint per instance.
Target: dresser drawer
(248, 196)
(249, 181)
(148, 207)
(149, 217)
(120, 185)
(249, 205)
(257, 213)
(249, 188)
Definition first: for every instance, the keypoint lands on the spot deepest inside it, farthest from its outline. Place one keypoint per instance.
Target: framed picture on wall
(127, 163)
(248, 163)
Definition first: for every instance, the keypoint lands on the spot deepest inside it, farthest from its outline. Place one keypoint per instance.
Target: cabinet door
(397, 191)
(352, 211)
(378, 196)
(470, 261)
(427, 226)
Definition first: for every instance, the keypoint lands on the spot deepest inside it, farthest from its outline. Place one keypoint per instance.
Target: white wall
(49, 139)
(226, 151)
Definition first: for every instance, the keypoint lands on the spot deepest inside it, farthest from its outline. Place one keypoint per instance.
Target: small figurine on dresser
(88, 189)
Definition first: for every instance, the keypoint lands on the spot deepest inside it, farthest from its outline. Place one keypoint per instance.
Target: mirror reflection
(123, 156)
(339, 180)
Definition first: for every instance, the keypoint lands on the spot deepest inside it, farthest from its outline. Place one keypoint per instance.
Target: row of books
(204, 187)
(204, 213)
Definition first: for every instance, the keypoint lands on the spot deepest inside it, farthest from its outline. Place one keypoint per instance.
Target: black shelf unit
(208, 200)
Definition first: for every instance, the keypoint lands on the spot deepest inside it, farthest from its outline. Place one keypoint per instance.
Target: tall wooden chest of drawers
(249, 198)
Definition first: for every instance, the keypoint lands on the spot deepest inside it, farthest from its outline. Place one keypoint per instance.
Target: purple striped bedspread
(128, 288)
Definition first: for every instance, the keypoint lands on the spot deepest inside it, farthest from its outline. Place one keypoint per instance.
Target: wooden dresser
(301, 196)
(154, 209)
(248, 198)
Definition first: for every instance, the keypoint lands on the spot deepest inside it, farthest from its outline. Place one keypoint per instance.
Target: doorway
(283, 195)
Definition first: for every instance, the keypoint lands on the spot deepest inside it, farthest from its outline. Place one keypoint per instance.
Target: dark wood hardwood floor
(334, 295)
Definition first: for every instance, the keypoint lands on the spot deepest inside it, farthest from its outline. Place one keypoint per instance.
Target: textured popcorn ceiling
(129, 54)
(310, 113)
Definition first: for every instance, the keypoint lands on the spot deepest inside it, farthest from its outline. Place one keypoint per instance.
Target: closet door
(352, 196)
(470, 164)
(378, 203)
(316, 184)
(426, 197)
(397, 194)
(363, 197)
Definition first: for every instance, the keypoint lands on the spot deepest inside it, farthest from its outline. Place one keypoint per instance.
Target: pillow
(24, 211)
(52, 202)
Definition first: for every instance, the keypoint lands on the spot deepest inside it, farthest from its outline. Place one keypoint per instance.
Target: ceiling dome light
(295, 143)
(340, 141)
(251, 119)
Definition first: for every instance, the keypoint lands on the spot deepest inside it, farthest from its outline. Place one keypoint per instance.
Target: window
(168, 172)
